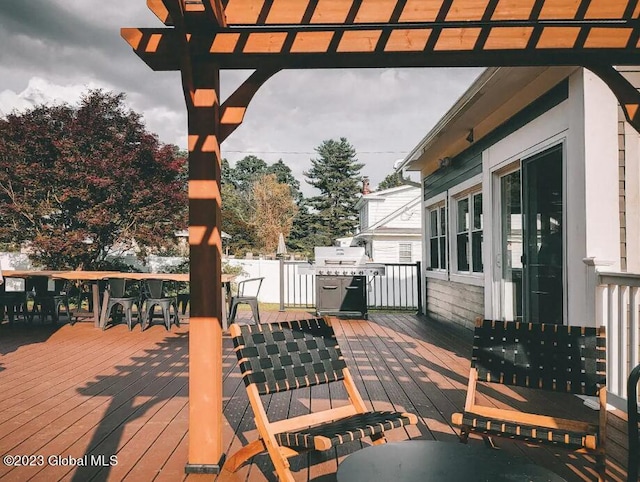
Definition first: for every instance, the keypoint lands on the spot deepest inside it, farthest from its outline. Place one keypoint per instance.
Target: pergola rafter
(202, 37)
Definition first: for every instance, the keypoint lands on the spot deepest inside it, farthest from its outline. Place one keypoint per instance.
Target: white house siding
(586, 124)
(388, 250)
(451, 302)
(380, 206)
(629, 144)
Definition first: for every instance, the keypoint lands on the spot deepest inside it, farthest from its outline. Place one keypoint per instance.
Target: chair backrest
(287, 355)
(154, 288)
(117, 287)
(39, 284)
(250, 287)
(552, 357)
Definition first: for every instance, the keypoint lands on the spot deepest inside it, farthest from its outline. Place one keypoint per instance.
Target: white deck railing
(618, 308)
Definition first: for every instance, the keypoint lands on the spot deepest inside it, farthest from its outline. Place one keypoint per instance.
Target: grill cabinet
(341, 295)
(341, 280)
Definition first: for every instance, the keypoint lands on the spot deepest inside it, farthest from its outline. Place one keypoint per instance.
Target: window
(405, 253)
(437, 219)
(469, 225)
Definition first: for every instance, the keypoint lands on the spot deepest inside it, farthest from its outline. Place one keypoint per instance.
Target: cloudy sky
(54, 50)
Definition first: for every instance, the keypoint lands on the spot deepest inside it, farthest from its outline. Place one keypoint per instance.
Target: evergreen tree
(336, 174)
(394, 179)
(247, 170)
(285, 176)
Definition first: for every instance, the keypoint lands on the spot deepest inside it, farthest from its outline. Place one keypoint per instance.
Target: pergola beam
(233, 109)
(234, 48)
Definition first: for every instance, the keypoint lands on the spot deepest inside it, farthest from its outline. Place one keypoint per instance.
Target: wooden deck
(68, 392)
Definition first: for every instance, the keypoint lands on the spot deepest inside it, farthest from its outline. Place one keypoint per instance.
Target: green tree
(285, 176)
(236, 220)
(394, 179)
(79, 183)
(307, 231)
(336, 174)
(247, 170)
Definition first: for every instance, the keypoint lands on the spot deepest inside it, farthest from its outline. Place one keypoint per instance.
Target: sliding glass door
(531, 261)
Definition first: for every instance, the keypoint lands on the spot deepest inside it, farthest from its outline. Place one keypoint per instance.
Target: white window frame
(430, 204)
(464, 190)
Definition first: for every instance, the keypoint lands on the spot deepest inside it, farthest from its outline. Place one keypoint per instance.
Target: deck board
(75, 390)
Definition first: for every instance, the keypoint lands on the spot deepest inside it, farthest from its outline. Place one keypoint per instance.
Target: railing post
(632, 414)
(281, 284)
(419, 274)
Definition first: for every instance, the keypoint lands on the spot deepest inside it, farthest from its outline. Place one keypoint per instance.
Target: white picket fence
(618, 308)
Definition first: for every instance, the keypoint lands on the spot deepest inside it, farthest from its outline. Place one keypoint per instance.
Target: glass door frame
(496, 258)
(499, 297)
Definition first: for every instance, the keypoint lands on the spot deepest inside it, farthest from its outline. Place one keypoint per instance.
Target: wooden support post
(205, 331)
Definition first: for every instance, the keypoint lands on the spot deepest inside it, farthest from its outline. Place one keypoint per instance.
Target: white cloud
(40, 91)
(73, 45)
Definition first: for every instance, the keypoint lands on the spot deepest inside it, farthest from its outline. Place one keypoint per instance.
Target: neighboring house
(390, 225)
(531, 192)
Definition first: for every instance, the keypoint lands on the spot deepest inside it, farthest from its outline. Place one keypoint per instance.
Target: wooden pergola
(202, 37)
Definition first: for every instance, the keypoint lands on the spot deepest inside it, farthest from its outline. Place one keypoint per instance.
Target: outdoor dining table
(428, 460)
(92, 278)
(226, 280)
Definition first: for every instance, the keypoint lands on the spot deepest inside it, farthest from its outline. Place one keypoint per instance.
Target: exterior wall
(629, 178)
(398, 213)
(586, 124)
(622, 190)
(581, 115)
(388, 250)
(380, 206)
(454, 302)
(630, 211)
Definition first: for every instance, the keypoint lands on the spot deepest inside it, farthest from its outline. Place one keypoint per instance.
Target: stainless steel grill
(341, 279)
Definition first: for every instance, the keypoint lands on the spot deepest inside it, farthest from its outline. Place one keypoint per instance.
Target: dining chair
(154, 294)
(47, 302)
(119, 297)
(13, 302)
(247, 293)
(183, 297)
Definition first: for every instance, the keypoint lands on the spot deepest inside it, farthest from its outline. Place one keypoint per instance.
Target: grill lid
(335, 255)
(342, 261)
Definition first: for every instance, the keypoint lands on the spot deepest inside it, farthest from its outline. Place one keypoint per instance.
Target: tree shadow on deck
(136, 394)
(18, 334)
(407, 366)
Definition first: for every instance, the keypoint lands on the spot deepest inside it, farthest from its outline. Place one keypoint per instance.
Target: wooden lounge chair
(569, 359)
(285, 356)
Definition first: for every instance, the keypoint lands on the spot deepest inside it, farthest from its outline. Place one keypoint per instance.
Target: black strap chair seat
(632, 430)
(345, 430)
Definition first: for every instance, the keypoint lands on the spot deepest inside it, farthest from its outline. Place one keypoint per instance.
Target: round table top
(427, 460)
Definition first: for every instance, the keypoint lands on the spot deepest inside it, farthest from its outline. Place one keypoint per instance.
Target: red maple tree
(80, 183)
